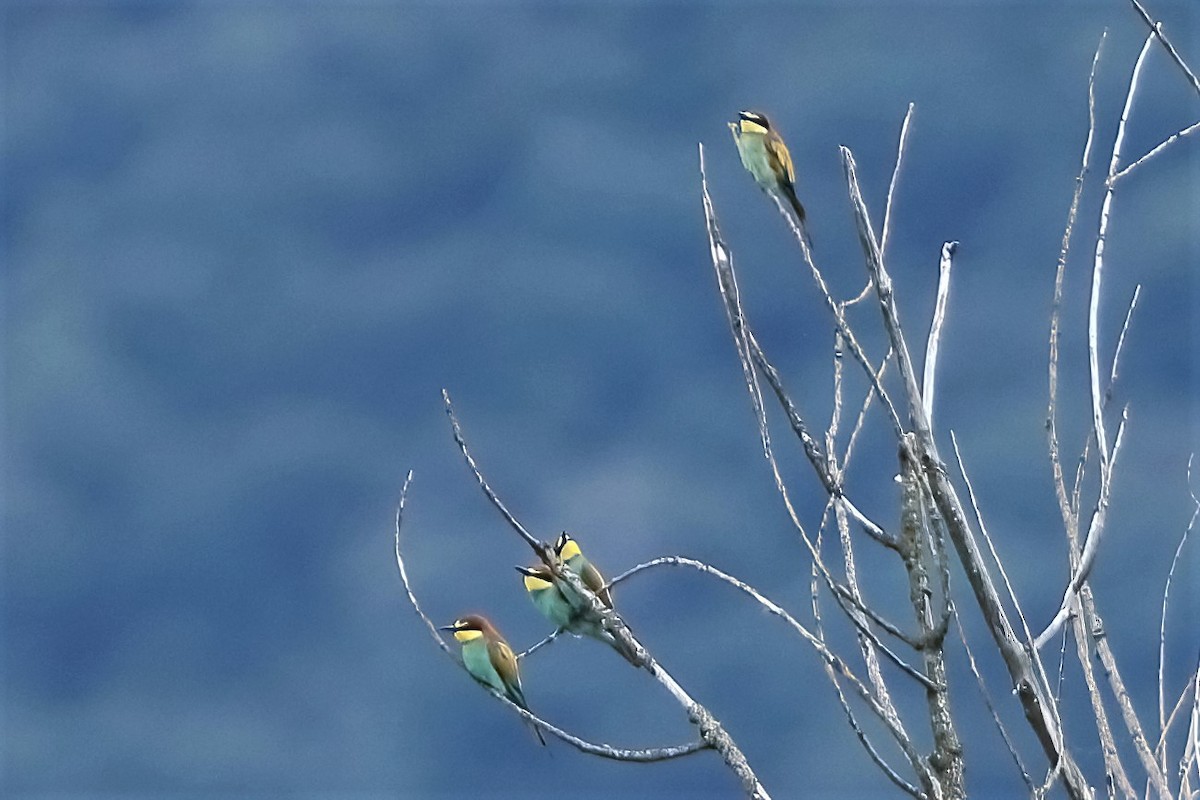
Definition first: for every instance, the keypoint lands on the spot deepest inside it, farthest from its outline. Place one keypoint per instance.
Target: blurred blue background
(245, 247)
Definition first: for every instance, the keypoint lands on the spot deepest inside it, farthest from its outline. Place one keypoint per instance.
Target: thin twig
(1112, 375)
(883, 286)
(1012, 595)
(1091, 545)
(1188, 131)
(819, 461)
(1067, 509)
(1163, 724)
(538, 547)
(412, 598)
(1091, 549)
(1035, 657)
(535, 647)
(1098, 266)
(1157, 28)
(1085, 632)
(991, 706)
(1089, 628)
(887, 208)
(935, 328)
(1184, 696)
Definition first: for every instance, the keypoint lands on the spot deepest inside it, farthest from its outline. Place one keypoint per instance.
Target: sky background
(245, 247)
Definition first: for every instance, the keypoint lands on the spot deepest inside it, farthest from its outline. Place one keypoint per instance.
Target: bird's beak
(523, 570)
(447, 628)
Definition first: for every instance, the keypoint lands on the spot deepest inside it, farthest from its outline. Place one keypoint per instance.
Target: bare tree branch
(1087, 558)
(947, 757)
(1157, 28)
(1163, 724)
(1098, 267)
(883, 288)
(830, 658)
(538, 646)
(999, 562)
(991, 706)
(540, 548)
(887, 209)
(1163, 145)
(1067, 509)
(935, 329)
(1086, 627)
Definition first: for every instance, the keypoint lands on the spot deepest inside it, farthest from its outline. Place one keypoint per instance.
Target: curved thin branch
(1091, 549)
(830, 658)
(987, 699)
(1163, 724)
(540, 548)
(1098, 266)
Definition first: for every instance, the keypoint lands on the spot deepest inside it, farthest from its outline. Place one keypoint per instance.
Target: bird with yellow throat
(490, 660)
(563, 605)
(766, 157)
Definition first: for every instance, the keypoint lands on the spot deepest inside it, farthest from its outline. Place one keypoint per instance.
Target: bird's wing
(592, 579)
(779, 150)
(505, 664)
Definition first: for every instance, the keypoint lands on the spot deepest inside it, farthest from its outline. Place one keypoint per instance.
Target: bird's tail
(517, 695)
(789, 192)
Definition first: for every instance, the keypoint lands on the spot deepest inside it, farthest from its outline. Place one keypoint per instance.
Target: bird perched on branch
(568, 552)
(490, 660)
(565, 607)
(766, 157)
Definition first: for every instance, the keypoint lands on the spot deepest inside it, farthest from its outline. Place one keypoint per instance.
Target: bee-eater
(568, 552)
(563, 605)
(490, 660)
(766, 157)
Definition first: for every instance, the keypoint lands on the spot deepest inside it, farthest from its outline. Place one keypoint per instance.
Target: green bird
(567, 608)
(568, 552)
(490, 660)
(766, 157)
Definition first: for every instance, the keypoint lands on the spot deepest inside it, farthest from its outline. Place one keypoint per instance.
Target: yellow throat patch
(569, 550)
(749, 126)
(533, 583)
